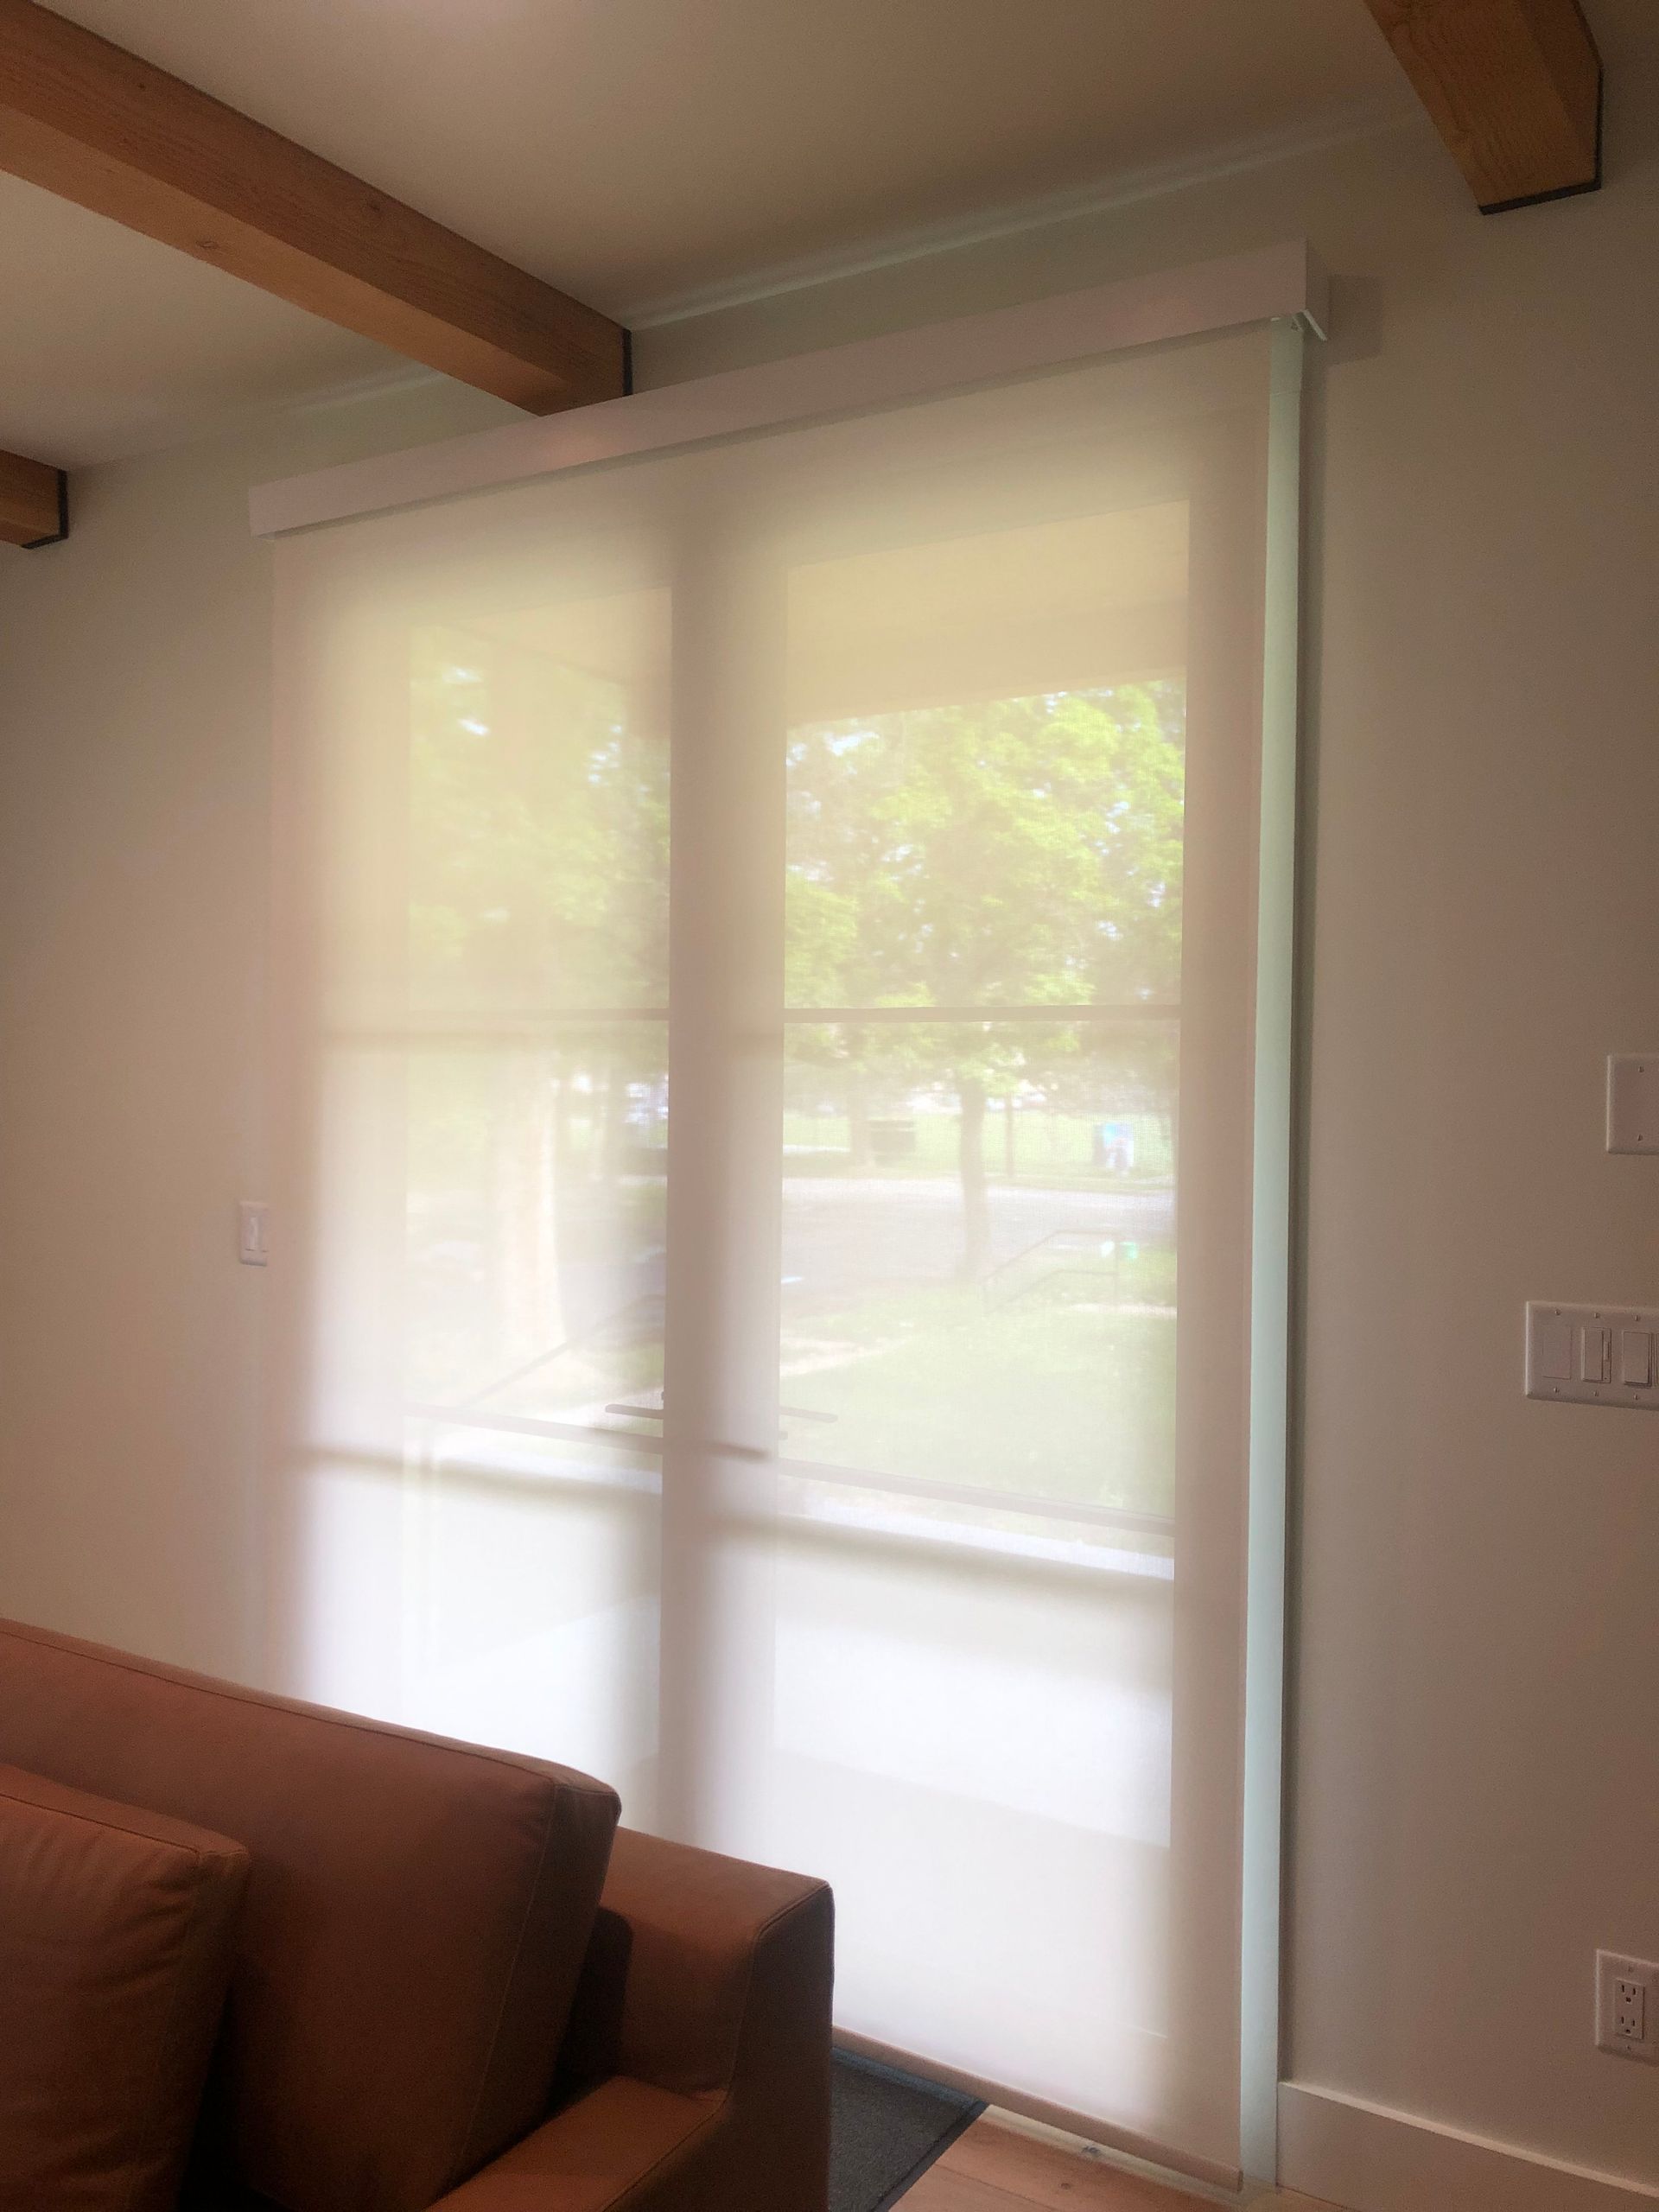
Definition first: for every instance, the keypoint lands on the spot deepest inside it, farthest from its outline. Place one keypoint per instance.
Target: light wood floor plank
(995, 2169)
(1033, 2172)
(940, 2189)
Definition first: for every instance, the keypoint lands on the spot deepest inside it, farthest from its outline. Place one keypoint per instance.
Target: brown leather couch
(457, 1982)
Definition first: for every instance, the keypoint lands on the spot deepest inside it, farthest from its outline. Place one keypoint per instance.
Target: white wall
(1477, 1657)
(135, 718)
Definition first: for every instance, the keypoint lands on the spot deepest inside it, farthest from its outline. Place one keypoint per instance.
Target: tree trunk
(975, 1207)
(858, 1106)
(524, 1146)
(616, 1120)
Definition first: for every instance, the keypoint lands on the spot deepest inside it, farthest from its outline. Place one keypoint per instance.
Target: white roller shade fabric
(777, 920)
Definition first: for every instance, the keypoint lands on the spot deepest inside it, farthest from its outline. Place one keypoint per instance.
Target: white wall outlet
(1633, 1102)
(253, 1240)
(1627, 2006)
(1593, 1355)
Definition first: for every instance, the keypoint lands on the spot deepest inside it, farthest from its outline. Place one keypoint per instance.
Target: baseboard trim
(1371, 2159)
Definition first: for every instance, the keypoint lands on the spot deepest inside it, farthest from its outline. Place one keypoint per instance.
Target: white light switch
(1633, 1102)
(1593, 1355)
(253, 1244)
(1552, 1352)
(1636, 1358)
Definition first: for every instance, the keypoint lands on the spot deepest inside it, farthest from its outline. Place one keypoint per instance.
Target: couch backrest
(415, 1917)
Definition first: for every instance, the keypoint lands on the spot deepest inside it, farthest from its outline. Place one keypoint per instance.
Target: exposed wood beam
(33, 502)
(94, 123)
(1514, 87)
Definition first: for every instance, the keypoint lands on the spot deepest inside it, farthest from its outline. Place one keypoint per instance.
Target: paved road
(857, 1237)
(869, 1233)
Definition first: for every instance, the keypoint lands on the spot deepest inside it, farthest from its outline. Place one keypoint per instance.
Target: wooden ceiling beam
(1514, 87)
(33, 502)
(89, 121)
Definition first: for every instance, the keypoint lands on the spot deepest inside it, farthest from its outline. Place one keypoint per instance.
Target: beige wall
(1477, 1646)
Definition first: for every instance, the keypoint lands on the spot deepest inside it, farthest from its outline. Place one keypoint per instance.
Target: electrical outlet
(1627, 2006)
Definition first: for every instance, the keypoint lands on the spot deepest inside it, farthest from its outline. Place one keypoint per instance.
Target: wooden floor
(993, 2169)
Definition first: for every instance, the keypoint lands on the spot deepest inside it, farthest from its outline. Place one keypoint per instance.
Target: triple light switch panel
(1593, 1355)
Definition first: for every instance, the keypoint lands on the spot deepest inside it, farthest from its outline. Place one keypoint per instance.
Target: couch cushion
(116, 1939)
(415, 1918)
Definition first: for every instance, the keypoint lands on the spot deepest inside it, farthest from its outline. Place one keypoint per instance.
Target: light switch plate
(1633, 1102)
(1593, 1355)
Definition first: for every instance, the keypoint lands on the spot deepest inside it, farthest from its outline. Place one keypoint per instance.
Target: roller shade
(767, 1255)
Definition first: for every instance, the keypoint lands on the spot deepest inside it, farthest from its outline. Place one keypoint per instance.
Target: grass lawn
(1057, 1395)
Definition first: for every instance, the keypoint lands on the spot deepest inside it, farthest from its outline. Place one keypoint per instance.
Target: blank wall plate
(1593, 1355)
(1633, 1102)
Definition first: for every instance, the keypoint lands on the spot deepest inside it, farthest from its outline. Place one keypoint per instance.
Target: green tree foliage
(539, 835)
(1022, 852)
(1016, 853)
(537, 886)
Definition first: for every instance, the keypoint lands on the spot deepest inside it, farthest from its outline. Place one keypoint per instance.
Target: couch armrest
(715, 1947)
(697, 2062)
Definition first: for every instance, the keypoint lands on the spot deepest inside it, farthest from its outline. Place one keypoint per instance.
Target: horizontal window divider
(559, 1431)
(508, 1027)
(1012, 1549)
(415, 1028)
(917, 1486)
(858, 1016)
(999, 1501)
(415, 1024)
(655, 1413)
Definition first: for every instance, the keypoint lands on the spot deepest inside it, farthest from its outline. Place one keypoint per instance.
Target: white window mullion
(725, 1077)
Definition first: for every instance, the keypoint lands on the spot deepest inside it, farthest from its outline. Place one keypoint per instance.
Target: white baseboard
(1370, 2159)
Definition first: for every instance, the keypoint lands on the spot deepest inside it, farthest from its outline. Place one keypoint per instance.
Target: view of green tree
(1015, 854)
(1018, 853)
(539, 834)
(537, 872)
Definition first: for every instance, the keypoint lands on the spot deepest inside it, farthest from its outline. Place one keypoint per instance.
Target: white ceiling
(638, 153)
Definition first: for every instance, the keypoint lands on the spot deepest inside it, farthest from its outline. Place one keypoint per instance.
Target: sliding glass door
(767, 983)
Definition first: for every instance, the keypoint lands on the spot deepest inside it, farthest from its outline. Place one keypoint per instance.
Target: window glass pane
(538, 809)
(537, 886)
(979, 1263)
(976, 1580)
(533, 1564)
(970, 846)
(979, 1217)
(974, 1745)
(535, 1221)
